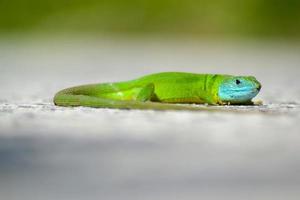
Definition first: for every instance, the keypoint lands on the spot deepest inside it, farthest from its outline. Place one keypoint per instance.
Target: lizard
(163, 91)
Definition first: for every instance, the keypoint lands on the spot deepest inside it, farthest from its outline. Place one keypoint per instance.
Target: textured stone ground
(47, 152)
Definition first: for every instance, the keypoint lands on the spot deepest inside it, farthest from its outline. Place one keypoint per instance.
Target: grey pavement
(49, 152)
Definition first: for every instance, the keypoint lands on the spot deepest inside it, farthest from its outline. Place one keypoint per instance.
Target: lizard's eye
(237, 81)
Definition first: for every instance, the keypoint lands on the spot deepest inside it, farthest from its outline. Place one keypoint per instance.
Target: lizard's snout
(258, 87)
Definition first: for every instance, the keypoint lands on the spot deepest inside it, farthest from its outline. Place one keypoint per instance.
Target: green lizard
(160, 91)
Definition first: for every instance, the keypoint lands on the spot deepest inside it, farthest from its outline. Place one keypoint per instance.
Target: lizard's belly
(183, 100)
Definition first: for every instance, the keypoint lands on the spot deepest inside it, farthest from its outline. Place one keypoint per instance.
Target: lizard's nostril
(258, 88)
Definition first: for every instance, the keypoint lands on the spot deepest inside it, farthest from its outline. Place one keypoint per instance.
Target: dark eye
(237, 81)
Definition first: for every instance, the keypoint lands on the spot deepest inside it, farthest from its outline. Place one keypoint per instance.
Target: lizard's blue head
(238, 89)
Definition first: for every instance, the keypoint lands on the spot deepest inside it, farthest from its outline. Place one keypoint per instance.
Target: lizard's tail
(70, 100)
(85, 96)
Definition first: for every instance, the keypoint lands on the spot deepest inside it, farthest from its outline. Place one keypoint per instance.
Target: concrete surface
(47, 152)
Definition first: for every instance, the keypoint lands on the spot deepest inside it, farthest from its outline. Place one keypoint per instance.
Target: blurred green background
(203, 18)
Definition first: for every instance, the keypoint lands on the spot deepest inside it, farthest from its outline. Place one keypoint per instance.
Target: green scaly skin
(156, 91)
